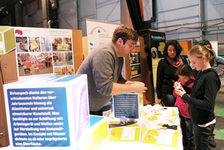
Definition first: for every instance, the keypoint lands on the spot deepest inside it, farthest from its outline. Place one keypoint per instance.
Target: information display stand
(47, 112)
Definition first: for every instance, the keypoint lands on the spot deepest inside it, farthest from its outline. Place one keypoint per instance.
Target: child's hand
(177, 85)
(179, 90)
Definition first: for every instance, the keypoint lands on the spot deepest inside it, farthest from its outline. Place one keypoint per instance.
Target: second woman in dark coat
(166, 72)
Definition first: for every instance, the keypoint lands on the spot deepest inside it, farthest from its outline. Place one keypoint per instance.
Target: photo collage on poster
(44, 55)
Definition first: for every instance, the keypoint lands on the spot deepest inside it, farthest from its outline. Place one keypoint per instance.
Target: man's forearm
(128, 87)
(119, 88)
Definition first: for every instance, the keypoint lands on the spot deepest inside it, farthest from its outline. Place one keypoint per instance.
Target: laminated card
(127, 105)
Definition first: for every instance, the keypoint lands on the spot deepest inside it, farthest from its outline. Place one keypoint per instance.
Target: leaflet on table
(126, 105)
(131, 134)
(166, 137)
(159, 114)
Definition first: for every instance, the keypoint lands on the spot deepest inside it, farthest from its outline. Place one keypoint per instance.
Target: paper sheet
(128, 133)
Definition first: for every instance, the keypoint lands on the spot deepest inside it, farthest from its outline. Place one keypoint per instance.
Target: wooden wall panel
(78, 56)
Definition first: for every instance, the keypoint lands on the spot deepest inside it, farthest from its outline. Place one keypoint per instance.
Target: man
(103, 67)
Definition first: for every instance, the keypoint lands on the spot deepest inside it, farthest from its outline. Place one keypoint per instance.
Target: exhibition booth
(45, 105)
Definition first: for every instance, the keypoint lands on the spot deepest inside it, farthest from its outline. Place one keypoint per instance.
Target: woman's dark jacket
(166, 74)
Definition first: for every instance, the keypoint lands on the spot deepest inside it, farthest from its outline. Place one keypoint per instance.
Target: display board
(99, 33)
(44, 51)
(45, 112)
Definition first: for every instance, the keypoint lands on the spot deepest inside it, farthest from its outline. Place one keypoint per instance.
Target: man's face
(127, 48)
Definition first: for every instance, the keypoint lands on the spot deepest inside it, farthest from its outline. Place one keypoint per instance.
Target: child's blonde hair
(199, 51)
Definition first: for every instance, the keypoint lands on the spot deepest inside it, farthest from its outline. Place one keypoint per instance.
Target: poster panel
(99, 33)
(44, 51)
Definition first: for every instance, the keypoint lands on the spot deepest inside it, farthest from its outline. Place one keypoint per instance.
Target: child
(186, 78)
(218, 61)
(202, 98)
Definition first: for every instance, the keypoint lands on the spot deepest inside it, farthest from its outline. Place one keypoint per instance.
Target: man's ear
(120, 42)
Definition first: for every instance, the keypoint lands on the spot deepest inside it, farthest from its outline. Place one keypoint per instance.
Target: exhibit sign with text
(44, 51)
(47, 113)
(99, 33)
(39, 116)
(126, 105)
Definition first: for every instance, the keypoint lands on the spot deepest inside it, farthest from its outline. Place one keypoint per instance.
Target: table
(147, 132)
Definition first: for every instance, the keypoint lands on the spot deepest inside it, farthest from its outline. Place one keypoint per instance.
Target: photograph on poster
(61, 59)
(62, 44)
(36, 63)
(68, 58)
(45, 44)
(135, 64)
(21, 44)
(135, 57)
(24, 64)
(34, 44)
(64, 70)
(135, 71)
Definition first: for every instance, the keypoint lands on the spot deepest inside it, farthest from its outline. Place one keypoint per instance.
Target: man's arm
(128, 87)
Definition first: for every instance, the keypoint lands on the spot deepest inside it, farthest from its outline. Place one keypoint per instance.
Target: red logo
(20, 32)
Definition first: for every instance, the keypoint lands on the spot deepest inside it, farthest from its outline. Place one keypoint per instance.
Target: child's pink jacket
(183, 106)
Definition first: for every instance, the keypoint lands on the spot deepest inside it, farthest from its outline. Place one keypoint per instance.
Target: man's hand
(138, 87)
(128, 87)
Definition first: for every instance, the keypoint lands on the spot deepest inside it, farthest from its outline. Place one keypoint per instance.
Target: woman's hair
(176, 45)
(185, 70)
(199, 51)
(125, 34)
(206, 42)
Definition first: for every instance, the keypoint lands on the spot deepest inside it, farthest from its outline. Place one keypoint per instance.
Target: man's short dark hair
(125, 34)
